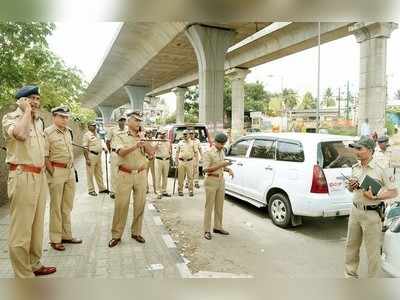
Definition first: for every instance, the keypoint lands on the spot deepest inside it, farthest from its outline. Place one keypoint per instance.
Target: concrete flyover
(155, 58)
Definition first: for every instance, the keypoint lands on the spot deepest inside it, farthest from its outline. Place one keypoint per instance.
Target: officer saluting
(364, 221)
(27, 184)
(114, 156)
(60, 167)
(132, 177)
(214, 184)
(93, 162)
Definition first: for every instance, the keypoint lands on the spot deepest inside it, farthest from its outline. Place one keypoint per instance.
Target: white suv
(294, 174)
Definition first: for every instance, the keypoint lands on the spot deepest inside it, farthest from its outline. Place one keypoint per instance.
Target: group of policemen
(41, 163)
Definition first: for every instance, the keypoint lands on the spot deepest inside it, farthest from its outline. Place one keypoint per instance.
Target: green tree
(328, 100)
(289, 98)
(191, 105)
(275, 106)
(25, 58)
(308, 101)
(255, 97)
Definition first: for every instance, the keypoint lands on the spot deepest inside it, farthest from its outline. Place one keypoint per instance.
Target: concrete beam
(106, 112)
(295, 37)
(210, 45)
(372, 38)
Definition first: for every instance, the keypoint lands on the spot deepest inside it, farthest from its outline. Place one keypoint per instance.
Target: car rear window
(336, 154)
(290, 151)
(201, 133)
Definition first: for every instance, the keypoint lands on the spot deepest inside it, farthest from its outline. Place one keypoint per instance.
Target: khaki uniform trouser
(215, 194)
(27, 193)
(150, 167)
(62, 193)
(95, 170)
(114, 170)
(126, 184)
(196, 171)
(367, 226)
(162, 168)
(185, 168)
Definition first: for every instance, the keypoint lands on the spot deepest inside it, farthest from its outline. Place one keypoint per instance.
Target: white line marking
(168, 241)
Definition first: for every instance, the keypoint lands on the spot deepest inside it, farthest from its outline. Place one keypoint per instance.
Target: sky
(84, 46)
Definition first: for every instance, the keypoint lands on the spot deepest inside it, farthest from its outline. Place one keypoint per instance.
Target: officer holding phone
(214, 167)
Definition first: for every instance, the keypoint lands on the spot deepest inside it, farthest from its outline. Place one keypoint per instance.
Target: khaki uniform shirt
(58, 145)
(92, 141)
(382, 158)
(186, 149)
(213, 157)
(196, 143)
(112, 133)
(376, 172)
(32, 150)
(135, 159)
(163, 150)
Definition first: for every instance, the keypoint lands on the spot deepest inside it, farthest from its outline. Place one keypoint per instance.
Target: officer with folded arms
(59, 158)
(27, 184)
(365, 220)
(163, 151)
(185, 154)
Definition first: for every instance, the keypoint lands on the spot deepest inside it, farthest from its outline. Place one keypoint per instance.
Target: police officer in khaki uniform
(364, 221)
(151, 163)
(93, 162)
(59, 159)
(196, 142)
(163, 154)
(131, 177)
(214, 184)
(383, 152)
(114, 156)
(27, 184)
(185, 154)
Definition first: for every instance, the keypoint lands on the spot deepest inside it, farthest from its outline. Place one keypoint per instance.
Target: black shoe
(104, 192)
(197, 186)
(112, 195)
(166, 194)
(221, 231)
(180, 194)
(159, 196)
(207, 235)
(138, 238)
(93, 193)
(191, 194)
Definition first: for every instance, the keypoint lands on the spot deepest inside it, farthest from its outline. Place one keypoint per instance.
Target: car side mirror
(226, 150)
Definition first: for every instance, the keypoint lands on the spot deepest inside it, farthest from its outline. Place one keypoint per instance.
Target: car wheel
(279, 210)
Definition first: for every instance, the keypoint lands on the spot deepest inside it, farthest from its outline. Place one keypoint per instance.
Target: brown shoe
(113, 242)
(57, 246)
(139, 238)
(207, 235)
(45, 271)
(221, 231)
(72, 241)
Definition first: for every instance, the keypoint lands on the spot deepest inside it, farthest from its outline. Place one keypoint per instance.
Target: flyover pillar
(180, 100)
(237, 77)
(372, 38)
(106, 112)
(210, 45)
(136, 95)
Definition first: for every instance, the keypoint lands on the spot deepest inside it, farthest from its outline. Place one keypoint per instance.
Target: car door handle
(268, 168)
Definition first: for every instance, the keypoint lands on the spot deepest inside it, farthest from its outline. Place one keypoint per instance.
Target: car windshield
(201, 133)
(336, 154)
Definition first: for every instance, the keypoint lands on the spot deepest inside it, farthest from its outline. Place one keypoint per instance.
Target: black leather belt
(182, 159)
(160, 158)
(366, 207)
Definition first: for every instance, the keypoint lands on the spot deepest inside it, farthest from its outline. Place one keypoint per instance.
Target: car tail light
(319, 184)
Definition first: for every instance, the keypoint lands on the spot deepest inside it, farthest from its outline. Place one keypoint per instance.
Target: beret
(27, 91)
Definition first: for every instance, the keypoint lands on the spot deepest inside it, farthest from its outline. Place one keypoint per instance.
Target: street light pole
(319, 69)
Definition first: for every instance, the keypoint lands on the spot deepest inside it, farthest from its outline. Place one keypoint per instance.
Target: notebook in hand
(368, 181)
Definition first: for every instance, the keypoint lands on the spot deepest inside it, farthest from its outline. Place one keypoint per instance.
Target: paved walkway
(91, 221)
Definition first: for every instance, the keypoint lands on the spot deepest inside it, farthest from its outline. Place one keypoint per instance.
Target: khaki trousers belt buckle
(59, 165)
(128, 170)
(365, 207)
